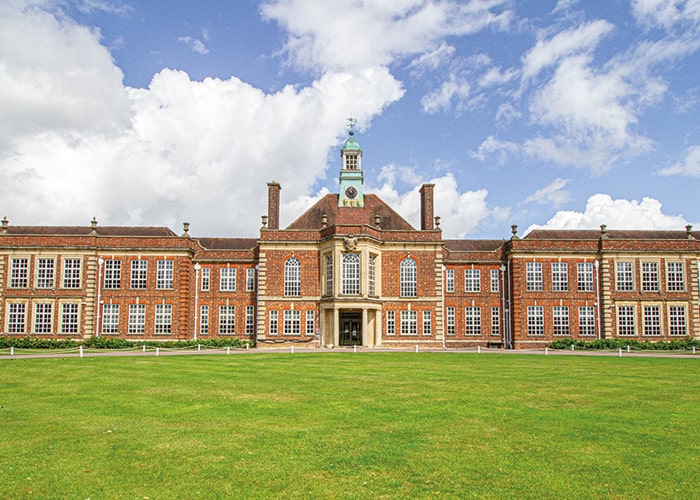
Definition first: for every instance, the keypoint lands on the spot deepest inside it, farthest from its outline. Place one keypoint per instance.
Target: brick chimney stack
(273, 205)
(426, 207)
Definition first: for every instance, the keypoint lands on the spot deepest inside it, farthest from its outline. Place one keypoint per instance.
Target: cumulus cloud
(376, 32)
(460, 212)
(689, 166)
(195, 44)
(666, 13)
(78, 143)
(616, 214)
(454, 91)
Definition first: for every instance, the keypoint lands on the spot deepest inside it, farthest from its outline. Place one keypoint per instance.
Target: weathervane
(351, 125)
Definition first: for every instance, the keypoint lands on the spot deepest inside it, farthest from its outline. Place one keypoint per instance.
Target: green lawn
(345, 425)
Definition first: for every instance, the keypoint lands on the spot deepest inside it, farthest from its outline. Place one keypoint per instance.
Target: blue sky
(561, 114)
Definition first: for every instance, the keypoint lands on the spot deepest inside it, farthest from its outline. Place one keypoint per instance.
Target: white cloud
(666, 13)
(77, 143)
(432, 60)
(453, 92)
(553, 194)
(689, 166)
(195, 44)
(460, 212)
(350, 35)
(616, 214)
(492, 147)
(547, 53)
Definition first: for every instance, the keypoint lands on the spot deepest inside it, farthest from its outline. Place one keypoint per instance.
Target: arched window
(351, 274)
(408, 277)
(292, 277)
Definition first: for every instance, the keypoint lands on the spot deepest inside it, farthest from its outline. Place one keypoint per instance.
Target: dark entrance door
(350, 329)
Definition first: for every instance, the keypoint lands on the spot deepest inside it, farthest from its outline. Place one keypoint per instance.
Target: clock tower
(351, 177)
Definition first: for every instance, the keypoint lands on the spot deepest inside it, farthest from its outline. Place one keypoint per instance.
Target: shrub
(35, 343)
(685, 344)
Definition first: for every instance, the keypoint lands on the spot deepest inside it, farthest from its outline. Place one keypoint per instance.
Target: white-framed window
(292, 277)
(652, 320)
(43, 317)
(409, 322)
(533, 276)
(677, 321)
(329, 275)
(391, 322)
(71, 273)
(409, 277)
(310, 322)
(16, 317)
(372, 276)
(137, 318)
(250, 320)
(227, 320)
(472, 280)
(113, 274)
(586, 321)
(650, 277)
(292, 322)
(624, 276)
(69, 317)
(472, 320)
(449, 280)
(625, 321)
(204, 320)
(350, 161)
(139, 274)
(273, 326)
(450, 320)
(495, 320)
(19, 273)
(164, 318)
(427, 323)
(206, 279)
(164, 275)
(675, 277)
(535, 320)
(560, 276)
(110, 318)
(584, 276)
(351, 274)
(560, 320)
(494, 280)
(45, 269)
(227, 279)
(250, 279)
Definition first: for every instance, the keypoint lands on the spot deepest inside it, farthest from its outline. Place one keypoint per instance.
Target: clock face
(351, 192)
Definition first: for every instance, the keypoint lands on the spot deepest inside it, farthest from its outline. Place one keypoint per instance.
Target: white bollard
(546, 351)
(628, 348)
(572, 347)
(157, 351)
(12, 350)
(619, 352)
(81, 351)
(247, 346)
(416, 347)
(144, 348)
(228, 350)
(693, 349)
(292, 348)
(199, 347)
(478, 349)
(354, 348)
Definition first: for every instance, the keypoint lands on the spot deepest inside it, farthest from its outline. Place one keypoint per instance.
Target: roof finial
(351, 125)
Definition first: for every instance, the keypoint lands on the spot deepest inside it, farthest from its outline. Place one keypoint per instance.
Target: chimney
(426, 207)
(273, 205)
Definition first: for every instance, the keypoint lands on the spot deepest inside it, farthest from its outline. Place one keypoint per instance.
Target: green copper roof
(351, 143)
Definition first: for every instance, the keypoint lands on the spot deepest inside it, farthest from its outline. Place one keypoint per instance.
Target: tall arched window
(351, 274)
(292, 277)
(408, 277)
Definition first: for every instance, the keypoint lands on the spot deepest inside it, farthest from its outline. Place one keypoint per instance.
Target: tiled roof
(473, 245)
(228, 243)
(126, 231)
(594, 234)
(328, 205)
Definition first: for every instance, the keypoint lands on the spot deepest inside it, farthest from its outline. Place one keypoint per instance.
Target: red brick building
(349, 271)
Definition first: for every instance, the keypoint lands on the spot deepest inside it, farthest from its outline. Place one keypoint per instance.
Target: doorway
(350, 328)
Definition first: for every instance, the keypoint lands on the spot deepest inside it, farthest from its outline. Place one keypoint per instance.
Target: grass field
(344, 425)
